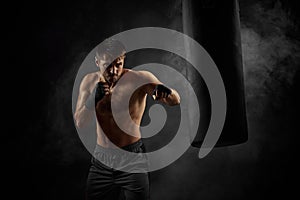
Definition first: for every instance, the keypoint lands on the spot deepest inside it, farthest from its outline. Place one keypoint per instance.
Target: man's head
(110, 56)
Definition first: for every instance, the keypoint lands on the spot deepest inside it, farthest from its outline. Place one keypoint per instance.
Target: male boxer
(95, 95)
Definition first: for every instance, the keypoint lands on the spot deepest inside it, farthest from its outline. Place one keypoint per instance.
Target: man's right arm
(82, 114)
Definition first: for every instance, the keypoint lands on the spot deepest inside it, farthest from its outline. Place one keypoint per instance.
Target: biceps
(151, 81)
(81, 99)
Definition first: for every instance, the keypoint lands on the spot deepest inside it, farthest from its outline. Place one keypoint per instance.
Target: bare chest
(122, 99)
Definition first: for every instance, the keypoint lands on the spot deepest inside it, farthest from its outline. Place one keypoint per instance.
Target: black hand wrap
(97, 94)
(161, 89)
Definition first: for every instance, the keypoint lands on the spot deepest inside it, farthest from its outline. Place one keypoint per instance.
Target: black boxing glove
(161, 91)
(97, 94)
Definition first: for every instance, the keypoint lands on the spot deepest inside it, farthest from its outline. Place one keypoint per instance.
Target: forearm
(87, 103)
(97, 94)
(83, 116)
(166, 95)
(172, 100)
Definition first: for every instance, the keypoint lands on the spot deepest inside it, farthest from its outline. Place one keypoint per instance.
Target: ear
(96, 61)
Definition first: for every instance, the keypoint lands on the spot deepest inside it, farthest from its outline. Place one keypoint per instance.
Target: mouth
(113, 77)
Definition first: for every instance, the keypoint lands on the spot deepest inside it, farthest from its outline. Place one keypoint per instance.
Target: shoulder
(90, 77)
(89, 80)
(146, 75)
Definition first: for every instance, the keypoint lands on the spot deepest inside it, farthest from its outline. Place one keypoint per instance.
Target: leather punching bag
(216, 26)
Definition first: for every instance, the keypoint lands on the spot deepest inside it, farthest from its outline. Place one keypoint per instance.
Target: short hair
(111, 47)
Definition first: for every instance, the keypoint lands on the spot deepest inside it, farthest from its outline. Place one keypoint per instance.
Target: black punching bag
(216, 26)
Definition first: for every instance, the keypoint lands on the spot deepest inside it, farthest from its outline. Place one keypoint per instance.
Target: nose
(113, 70)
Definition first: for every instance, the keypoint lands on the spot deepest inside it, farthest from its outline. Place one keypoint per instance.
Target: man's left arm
(160, 91)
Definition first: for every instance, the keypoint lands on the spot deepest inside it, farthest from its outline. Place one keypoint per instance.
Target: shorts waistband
(132, 158)
(134, 147)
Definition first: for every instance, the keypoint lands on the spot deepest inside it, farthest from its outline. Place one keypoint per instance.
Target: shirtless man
(95, 95)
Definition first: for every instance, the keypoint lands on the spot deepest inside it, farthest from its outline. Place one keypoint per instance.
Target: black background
(45, 43)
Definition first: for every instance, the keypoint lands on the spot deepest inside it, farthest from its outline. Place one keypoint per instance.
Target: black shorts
(113, 174)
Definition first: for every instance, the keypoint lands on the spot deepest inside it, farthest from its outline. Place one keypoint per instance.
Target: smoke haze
(260, 168)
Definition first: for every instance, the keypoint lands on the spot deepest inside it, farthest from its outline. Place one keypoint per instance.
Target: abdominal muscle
(108, 131)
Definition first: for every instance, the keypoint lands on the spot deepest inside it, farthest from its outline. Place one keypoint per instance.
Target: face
(111, 71)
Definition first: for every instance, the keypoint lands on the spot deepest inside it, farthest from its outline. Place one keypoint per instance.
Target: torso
(107, 128)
